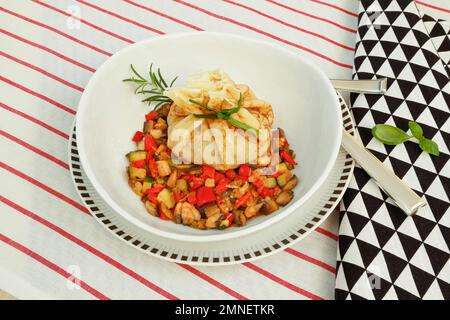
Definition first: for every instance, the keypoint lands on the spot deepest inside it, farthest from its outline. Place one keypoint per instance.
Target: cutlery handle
(403, 196)
(361, 86)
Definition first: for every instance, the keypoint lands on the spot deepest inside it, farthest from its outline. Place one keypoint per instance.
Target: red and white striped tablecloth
(48, 241)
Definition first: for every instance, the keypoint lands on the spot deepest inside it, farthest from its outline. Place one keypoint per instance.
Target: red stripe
(335, 7)
(284, 283)
(42, 71)
(38, 122)
(213, 282)
(87, 45)
(90, 249)
(80, 207)
(433, 6)
(311, 260)
(44, 187)
(53, 267)
(59, 55)
(34, 149)
(163, 15)
(289, 25)
(38, 95)
(327, 233)
(84, 22)
(312, 16)
(121, 17)
(263, 33)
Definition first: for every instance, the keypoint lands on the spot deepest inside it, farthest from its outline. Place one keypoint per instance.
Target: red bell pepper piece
(163, 216)
(153, 197)
(152, 115)
(276, 191)
(245, 171)
(205, 195)
(149, 144)
(187, 177)
(287, 157)
(137, 136)
(230, 218)
(277, 174)
(138, 164)
(218, 177)
(242, 200)
(178, 196)
(153, 167)
(209, 171)
(155, 190)
(222, 186)
(192, 198)
(243, 178)
(266, 192)
(197, 182)
(230, 174)
(258, 183)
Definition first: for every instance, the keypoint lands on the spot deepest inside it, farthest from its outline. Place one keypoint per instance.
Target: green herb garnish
(154, 87)
(223, 114)
(391, 135)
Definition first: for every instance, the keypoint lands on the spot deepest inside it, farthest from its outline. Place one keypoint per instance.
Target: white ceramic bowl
(304, 102)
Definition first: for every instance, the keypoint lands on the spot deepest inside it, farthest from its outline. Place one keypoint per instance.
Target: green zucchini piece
(166, 197)
(137, 173)
(284, 178)
(137, 155)
(282, 167)
(147, 184)
(270, 182)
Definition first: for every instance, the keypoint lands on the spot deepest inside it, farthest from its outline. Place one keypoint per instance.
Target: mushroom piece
(163, 111)
(171, 182)
(213, 221)
(200, 224)
(253, 209)
(161, 124)
(163, 168)
(187, 212)
(211, 209)
(157, 133)
(239, 218)
(269, 206)
(291, 184)
(136, 186)
(284, 197)
(186, 167)
(166, 211)
(151, 208)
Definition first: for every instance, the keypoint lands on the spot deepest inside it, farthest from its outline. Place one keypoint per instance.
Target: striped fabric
(49, 245)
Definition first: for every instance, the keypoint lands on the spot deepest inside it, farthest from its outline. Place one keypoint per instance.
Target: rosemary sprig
(224, 114)
(153, 87)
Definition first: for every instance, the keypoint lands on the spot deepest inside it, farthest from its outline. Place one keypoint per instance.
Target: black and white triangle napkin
(382, 253)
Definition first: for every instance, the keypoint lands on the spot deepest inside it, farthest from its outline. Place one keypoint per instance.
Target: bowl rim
(82, 110)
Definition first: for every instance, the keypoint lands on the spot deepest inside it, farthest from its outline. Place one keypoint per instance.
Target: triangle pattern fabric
(383, 254)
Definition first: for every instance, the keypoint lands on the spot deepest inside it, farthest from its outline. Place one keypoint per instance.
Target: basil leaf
(429, 146)
(389, 135)
(416, 129)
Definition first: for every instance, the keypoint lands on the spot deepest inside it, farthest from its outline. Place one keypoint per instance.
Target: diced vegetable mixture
(201, 196)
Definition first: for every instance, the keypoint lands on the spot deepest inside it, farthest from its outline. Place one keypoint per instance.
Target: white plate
(256, 245)
(304, 104)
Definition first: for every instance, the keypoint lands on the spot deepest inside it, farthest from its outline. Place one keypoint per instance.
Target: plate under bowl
(304, 102)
